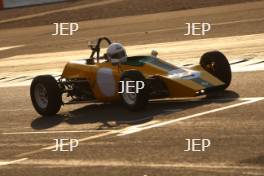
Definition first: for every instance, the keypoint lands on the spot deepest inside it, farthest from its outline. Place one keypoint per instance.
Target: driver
(116, 53)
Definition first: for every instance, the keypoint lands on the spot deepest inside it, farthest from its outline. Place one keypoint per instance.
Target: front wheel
(134, 101)
(45, 95)
(217, 64)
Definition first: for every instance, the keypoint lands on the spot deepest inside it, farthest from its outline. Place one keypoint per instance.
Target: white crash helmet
(116, 53)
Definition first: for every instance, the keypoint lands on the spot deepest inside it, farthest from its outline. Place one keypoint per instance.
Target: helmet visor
(118, 55)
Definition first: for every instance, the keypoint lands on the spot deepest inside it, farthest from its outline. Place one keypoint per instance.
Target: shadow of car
(106, 113)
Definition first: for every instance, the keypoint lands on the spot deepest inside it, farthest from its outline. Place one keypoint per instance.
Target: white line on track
(10, 47)
(54, 146)
(4, 163)
(51, 163)
(55, 132)
(104, 134)
(83, 139)
(134, 121)
(149, 125)
(135, 130)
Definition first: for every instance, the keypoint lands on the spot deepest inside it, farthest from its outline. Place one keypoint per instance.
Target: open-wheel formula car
(103, 78)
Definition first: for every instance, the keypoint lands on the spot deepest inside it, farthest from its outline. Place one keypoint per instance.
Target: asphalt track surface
(114, 141)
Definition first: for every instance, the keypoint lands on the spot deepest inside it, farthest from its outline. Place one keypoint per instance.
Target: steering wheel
(96, 48)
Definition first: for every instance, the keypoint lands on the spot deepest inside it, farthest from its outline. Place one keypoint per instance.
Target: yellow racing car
(134, 80)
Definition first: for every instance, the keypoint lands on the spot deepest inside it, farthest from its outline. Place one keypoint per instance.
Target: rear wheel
(134, 101)
(217, 64)
(45, 95)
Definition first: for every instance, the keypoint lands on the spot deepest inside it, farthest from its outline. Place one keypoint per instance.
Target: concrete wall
(20, 3)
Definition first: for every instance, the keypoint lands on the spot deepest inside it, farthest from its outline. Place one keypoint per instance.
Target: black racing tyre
(217, 64)
(45, 95)
(134, 101)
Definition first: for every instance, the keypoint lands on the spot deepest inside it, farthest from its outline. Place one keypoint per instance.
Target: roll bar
(96, 48)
